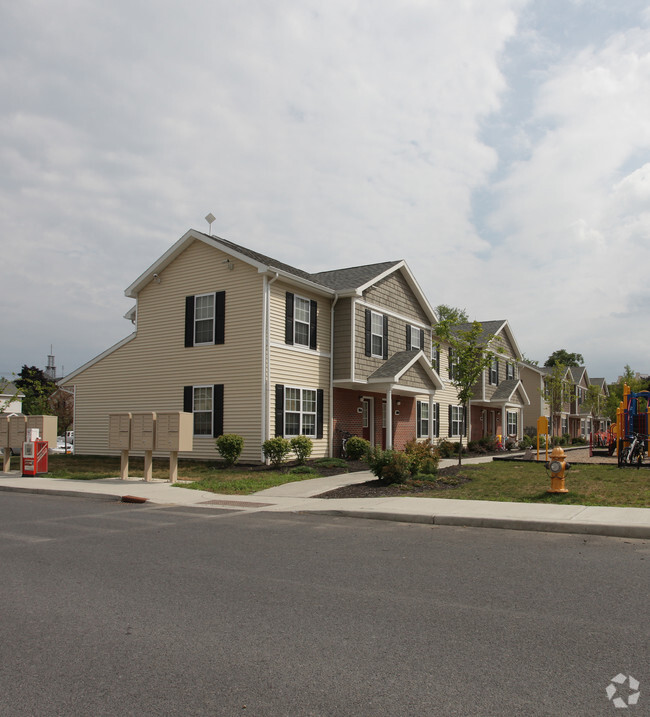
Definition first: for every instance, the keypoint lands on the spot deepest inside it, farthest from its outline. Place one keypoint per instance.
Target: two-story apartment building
(499, 399)
(253, 346)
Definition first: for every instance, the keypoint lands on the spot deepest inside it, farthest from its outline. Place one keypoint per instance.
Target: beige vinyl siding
(416, 377)
(342, 339)
(149, 372)
(299, 366)
(394, 293)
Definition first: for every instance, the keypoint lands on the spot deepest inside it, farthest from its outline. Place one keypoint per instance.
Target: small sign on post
(542, 430)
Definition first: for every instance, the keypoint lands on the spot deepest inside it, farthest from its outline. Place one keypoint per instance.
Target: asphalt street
(118, 609)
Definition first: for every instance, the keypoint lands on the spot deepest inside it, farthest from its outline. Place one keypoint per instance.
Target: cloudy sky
(502, 148)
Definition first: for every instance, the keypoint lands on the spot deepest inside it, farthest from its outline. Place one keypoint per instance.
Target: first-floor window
(202, 410)
(299, 412)
(512, 423)
(456, 420)
(565, 425)
(423, 419)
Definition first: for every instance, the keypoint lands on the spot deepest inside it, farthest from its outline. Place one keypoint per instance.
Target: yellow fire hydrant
(558, 465)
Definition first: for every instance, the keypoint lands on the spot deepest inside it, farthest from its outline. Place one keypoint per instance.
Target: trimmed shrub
(302, 446)
(276, 450)
(527, 442)
(390, 466)
(357, 448)
(303, 470)
(230, 446)
(420, 454)
(332, 463)
(445, 448)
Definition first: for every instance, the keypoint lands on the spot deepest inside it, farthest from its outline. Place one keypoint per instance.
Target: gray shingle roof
(504, 389)
(337, 279)
(490, 328)
(395, 364)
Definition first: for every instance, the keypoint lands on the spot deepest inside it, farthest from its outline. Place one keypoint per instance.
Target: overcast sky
(501, 148)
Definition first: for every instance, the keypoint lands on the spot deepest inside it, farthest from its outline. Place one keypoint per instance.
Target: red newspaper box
(34, 458)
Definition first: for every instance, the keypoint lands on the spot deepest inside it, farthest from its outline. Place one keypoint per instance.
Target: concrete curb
(66, 493)
(540, 526)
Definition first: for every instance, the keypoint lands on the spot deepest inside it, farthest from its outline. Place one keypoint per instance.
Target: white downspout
(266, 368)
(330, 441)
(389, 418)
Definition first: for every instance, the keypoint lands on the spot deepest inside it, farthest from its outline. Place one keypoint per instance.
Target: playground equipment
(632, 425)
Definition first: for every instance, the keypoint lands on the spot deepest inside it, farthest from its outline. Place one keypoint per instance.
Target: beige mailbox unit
(47, 427)
(143, 438)
(4, 443)
(119, 438)
(174, 433)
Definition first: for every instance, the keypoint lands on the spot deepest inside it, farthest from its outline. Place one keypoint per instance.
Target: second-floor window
(494, 372)
(300, 321)
(414, 338)
(205, 316)
(510, 370)
(376, 338)
(453, 365)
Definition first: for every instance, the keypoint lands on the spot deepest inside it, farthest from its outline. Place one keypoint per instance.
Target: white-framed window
(453, 365)
(423, 419)
(202, 408)
(416, 338)
(510, 370)
(203, 319)
(435, 359)
(435, 431)
(456, 420)
(494, 372)
(565, 425)
(512, 422)
(301, 321)
(299, 411)
(377, 335)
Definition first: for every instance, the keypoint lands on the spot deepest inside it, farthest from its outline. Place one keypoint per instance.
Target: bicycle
(634, 453)
(345, 435)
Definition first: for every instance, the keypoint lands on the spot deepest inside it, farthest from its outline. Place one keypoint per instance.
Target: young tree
(37, 388)
(61, 403)
(470, 352)
(451, 315)
(594, 401)
(557, 391)
(563, 357)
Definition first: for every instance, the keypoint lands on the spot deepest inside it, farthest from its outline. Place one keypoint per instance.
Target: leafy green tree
(471, 355)
(37, 387)
(594, 401)
(451, 315)
(61, 403)
(616, 390)
(557, 392)
(562, 356)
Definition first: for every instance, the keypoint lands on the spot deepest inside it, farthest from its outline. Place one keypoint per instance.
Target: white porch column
(431, 416)
(389, 418)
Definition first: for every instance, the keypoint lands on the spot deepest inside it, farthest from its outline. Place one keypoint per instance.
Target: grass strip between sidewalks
(526, 482)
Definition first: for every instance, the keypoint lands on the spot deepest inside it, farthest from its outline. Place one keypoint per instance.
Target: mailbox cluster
(169, 432)
(13, 433)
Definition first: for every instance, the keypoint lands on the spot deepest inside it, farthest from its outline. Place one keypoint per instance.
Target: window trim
(380, 320)
(290, 321)
(281, 412)
(494, 372)
(216, 420)
(423, 423)
(514, 415)
(457, 422)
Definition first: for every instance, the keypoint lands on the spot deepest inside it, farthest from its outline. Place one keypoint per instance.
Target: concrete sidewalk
(300, 497)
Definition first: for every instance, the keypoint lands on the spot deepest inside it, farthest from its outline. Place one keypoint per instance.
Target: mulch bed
(447, 478)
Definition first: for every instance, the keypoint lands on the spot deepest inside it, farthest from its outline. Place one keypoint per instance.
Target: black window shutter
(220, 317)
(188, 399)
(418, 418)
(497, 365)
(319, 413)
(385, 337)
(368, 332)
(288, 319)
(421, 339)
(464, 433)
(408, 337)
(450, 363)
(279, 409)
(450, 421)
(313, 310)
(437, 407)
(189, 321)
(438, 361)
(217, 410)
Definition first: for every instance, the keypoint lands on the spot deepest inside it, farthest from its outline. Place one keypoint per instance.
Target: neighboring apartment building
(254, 346)
(497, 407)
(11, 398)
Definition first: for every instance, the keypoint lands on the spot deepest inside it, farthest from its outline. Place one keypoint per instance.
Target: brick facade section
(348, 419)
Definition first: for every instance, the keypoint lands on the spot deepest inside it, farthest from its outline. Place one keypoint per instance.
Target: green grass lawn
(588, 484)
(202, 475)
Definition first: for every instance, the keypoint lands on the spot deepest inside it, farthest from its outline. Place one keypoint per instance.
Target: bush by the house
(445, 448)
(527, 442)
(230, 446)
(276, 450)
(489, 443)
(390, 466)
(302, 447)
(422, 456)
(357, 448)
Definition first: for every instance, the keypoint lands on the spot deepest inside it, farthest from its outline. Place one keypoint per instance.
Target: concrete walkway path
(301, 497)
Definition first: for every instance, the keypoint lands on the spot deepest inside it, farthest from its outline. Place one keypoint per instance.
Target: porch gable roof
(392, 370)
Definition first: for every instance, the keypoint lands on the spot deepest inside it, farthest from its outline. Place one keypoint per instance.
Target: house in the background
(256, 347)
(497, 406)
(11, 398)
